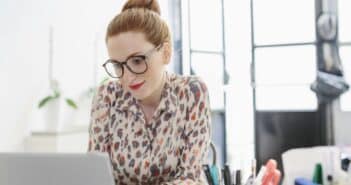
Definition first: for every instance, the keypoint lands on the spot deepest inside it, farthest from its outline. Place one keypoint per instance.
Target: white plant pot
(68, 115)
(83, 113)
(51, 115)
(58, 115)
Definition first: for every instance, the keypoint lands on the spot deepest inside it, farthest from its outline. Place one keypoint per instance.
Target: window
(345, 48)
(210, 68)
(273, 67)
(207, 27)
(284, 54)
(344, 18)
(285, 98)
(281, 21)
(206, 56)
(283, 78)
(345, 55)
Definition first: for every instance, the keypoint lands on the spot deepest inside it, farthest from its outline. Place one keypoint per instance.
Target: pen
(238, 177)
(208, 174)
(226, 174)
(253, 168)
(225, 178)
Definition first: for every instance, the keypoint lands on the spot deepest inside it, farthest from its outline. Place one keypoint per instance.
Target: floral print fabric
(170, 149)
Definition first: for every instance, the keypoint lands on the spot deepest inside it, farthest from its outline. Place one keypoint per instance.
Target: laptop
(55, 169)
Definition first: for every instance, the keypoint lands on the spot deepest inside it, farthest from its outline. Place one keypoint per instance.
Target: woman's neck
(154, 99)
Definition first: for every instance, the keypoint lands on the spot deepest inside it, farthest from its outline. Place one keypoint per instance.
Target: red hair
(141, 16)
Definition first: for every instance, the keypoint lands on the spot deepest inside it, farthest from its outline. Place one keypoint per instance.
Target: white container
(51, 115)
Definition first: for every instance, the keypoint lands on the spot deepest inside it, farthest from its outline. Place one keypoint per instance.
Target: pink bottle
(272, 175)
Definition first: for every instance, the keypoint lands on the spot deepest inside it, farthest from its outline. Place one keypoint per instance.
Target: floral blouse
(170, 149)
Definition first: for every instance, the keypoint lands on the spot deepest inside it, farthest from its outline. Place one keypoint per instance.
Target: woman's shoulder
(188, 82)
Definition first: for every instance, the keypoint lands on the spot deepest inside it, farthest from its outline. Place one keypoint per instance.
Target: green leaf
(44, 101)
(71, 103)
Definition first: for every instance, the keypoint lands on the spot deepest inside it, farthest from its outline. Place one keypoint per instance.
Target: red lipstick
(136, 86)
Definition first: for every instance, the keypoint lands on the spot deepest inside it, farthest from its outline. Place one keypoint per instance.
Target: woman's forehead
(124, 44)
(128, 40)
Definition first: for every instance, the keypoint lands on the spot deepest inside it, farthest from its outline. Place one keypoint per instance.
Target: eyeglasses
(136, 64)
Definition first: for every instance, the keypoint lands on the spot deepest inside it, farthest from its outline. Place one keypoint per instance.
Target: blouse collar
(168, 101)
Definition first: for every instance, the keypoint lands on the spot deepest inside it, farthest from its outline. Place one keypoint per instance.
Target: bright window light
(285, 98)
(205, 25)
(210, 68)
(285, 65)
(345, 55)
(277, 21)
(344, 20)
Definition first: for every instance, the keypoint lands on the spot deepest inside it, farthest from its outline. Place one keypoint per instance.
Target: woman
(154, 125)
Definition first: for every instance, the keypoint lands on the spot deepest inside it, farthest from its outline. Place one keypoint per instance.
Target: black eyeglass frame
(144, 57)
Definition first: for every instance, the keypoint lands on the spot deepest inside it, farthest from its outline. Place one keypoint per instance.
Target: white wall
(24, 48)
(21, 69)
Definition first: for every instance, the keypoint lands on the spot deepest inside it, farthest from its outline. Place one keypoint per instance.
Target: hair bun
(147, 4)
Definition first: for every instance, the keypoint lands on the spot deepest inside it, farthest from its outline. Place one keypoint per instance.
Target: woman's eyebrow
(134, 54)
(131, 55)
(128, 57)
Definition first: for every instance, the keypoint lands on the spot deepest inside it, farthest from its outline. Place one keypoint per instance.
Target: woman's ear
(167, 52)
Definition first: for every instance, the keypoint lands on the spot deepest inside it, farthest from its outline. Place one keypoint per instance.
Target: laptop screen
(55, 169)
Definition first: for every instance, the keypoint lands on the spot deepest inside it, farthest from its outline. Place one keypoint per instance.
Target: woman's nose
(128, 75)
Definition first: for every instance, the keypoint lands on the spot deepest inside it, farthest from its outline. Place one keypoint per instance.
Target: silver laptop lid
(55, 169)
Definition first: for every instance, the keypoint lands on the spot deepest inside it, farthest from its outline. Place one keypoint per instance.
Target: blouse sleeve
(195, 138)
(99, 120)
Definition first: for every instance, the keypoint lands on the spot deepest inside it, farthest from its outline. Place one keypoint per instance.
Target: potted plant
(56, 95)
(51, 104)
